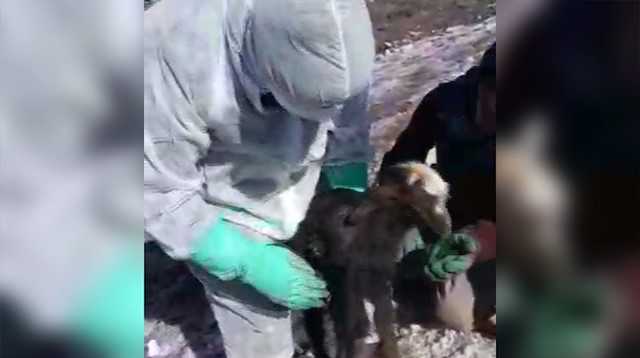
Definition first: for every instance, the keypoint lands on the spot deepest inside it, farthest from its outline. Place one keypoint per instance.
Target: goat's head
(420, 189)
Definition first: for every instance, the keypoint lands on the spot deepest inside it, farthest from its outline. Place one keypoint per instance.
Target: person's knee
(251, 325)
(455, 307)
(264, 344)
(259, 338)
(258, 351)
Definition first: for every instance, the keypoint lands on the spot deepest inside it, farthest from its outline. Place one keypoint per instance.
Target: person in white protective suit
(248, 105)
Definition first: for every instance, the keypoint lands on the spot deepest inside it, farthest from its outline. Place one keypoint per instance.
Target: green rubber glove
(226, 252)
(346, 176)
(110, 314)
(450, 255)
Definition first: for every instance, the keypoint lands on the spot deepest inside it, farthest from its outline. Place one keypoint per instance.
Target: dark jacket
(445, 118)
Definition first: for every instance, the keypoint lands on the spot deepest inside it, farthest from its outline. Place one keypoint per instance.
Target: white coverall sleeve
(175, 139)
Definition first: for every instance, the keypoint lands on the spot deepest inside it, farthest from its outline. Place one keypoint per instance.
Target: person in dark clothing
(458, 118)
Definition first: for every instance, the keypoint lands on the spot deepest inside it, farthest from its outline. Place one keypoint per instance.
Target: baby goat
(353, 240)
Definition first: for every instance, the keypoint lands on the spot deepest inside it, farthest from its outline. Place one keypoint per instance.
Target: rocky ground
(421, 43)
(404, 74)
(397, 20)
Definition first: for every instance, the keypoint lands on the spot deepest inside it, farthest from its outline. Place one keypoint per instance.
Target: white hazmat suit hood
(310, 55)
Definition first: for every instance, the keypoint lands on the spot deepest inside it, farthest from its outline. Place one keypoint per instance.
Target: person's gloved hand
(450, 255)
(226, 252)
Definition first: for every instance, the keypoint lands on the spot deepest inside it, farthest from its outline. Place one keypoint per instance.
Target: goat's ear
(430, 208)
(418, 198)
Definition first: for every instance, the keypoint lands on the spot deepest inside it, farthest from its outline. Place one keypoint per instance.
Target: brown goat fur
(353, 239)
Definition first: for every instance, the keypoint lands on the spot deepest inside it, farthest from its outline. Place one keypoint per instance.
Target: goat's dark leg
(367, 340)
(338, 309)
(354, 310)
(365, 346)
(339, 317)
(383, 317)
(359, 325)
(314, 325)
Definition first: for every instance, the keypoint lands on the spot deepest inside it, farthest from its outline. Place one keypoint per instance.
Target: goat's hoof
(390, 349)
(488, 327)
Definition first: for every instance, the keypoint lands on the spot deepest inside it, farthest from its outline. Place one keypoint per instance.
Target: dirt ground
(395, 20)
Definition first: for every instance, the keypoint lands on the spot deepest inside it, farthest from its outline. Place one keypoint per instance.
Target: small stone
(153, 349)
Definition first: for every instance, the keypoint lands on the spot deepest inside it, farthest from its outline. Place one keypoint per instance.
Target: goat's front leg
(357, 324)
(339, 309)
(350, 321)
(383, 318)
(352, 310)
(314, 324)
